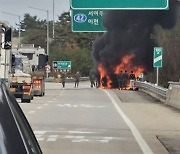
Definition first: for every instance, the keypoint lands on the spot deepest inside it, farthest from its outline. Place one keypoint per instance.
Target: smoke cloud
(130, 32)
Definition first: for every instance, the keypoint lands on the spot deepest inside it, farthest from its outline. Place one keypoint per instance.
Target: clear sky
(20, 7)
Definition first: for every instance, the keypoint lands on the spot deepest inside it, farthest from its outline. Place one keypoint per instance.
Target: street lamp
(47, 26)
(18, 25)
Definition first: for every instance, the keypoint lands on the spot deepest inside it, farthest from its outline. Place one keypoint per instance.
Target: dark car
(16, 135)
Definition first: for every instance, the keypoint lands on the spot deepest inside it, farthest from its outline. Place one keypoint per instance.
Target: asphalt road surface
(87, 120)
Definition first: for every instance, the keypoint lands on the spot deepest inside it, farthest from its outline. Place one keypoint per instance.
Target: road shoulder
(158, 119)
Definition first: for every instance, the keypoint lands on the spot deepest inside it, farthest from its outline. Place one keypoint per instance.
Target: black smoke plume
(130, 32)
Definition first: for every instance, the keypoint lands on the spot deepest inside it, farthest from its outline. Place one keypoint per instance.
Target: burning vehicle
(128, 43)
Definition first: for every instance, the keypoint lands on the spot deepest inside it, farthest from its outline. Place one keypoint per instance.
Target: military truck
(38, 59)
(21, 84)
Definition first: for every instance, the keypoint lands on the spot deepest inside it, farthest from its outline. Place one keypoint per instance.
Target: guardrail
(152, 89)
(170, 96)
(51, 79)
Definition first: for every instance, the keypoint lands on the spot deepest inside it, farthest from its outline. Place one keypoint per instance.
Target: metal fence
(152, 89)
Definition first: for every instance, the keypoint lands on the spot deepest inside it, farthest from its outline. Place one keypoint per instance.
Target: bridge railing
(170, 96)
(152, 89)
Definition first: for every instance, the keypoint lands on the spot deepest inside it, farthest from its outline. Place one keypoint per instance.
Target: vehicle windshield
(29, 55)
(21, 64)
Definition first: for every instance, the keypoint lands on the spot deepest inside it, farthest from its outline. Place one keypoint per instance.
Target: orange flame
(103, 73)
(126, 64)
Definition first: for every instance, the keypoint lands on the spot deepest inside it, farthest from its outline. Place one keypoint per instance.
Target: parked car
(16, 135)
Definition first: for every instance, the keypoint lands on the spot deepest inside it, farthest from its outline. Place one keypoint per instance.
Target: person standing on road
(77, 79)
(104, 81)
(120, 80)
(125, 77)
(63, 79)
(92, 79)
(132, 78)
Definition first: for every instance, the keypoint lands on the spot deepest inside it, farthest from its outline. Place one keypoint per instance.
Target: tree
(72, 46)
(66, 45)
(169, 40)
(35, 31)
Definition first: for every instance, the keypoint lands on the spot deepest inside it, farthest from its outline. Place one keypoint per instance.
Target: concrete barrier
(173, 95)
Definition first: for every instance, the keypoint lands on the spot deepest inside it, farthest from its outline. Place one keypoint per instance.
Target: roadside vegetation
(65, 45)
(170, 41)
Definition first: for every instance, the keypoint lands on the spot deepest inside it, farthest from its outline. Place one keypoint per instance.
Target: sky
(20, 7)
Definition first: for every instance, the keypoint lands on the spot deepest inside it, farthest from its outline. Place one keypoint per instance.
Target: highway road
(88, 120)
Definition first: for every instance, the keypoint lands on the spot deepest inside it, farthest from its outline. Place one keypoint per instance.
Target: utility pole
(53, 19)
(47, 26)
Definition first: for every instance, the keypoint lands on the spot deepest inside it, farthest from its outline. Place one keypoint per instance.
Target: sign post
(157, 61)
(48, 70)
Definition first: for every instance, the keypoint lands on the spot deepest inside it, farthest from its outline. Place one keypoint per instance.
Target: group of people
(93, 80)
(76, 79)
(123, 79)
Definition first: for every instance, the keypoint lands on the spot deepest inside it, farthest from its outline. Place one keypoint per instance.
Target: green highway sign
(158, 57)
(87, 21)
(63, 65)
(120, 4)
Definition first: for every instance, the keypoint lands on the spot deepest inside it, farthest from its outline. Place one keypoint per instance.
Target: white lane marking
(39, 132)
(81, 105)
(81, 140)
(31, 112)
(51, 139)
(142, 143)
(40, 139)
(39, 107)
(68, 136)
(108, 138)
(38, 136)
(53, 136)
(79, 137)
(79, 132)
(103, 141)
(65, 105)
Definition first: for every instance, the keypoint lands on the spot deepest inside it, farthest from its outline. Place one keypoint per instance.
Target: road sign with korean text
(62, 65)
(158, 51)
(120, 4)
(87, 21)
